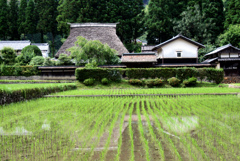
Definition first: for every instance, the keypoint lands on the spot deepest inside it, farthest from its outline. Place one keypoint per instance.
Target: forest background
(210, 22)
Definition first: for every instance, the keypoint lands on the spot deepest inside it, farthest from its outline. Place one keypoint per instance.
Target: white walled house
(178, 50)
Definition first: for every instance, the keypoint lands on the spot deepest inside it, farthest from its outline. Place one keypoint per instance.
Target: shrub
(89, 81)
(150, 83)
(48, 62)
(136, 82)
(158, 82)
(185, 73)
(18, 70)
(8, 55)
(64, 60)
(215, 75)
(98, 74)
(32, 49)
(105, 81)
(37, 60)
(174, 81)
(25, 58)
(190, 82)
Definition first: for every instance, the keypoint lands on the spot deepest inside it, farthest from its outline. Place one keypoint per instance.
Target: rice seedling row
(149, 91)
(122, 128)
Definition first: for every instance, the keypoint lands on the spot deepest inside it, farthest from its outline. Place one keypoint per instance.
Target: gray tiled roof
(177, 37)
(16, 45)
(222, 48)
(41, 46)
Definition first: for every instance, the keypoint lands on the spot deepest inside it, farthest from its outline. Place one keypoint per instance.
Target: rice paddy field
(14, 87)
(150, 91)
(122, 128)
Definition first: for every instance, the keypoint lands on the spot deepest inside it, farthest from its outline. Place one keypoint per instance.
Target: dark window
(179, 53)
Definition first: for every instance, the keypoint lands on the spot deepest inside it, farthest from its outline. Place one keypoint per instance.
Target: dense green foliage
(3, 19)
(232, 13)
(25, 58)
(18, 70)
(12, 93)
(174, 81)
(8, 55)
(37, 60)
(13, 23)
(32, 49)
(230, 36)
(89, 81)
(64, 60)
(98, 74)
(48, 62)
(93, 51)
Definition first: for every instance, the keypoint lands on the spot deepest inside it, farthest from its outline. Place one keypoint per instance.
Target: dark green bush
(31, 49)
(174, 81)
(105, 81)
(136, 82)
(190, 82)
(89, 81)
(98, 74)
(150, 83)
(215, 75)
(25, 58)
(48, 62)
(7, 97)
(185, 73)
(8, 55)
(64, 60)
(18, 70)
(37, 60)
(158, 82)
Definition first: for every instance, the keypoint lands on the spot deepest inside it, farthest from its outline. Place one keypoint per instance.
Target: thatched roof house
(104, 32)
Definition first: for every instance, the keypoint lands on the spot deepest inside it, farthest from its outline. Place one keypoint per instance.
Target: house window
(179, 54)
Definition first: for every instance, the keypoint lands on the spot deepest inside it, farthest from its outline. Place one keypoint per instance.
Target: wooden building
(226, 57)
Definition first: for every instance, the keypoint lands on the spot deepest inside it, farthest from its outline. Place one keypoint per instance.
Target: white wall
(169, 50)
(232, 55)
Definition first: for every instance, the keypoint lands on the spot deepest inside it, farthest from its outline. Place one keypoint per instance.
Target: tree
(213, 10)
(25, 57)
(232, 13)
(232, 36)
(30, 23)
(93, 51)
(3, 19)
(48, 62)
(47, 19)
(37, 60)
(64, 60)
(203, 51)
(22, 18)
(32, 49)
(194, 25)
(8, 55)
(13, 23)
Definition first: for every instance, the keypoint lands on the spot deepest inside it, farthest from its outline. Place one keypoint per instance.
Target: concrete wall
(169, 50)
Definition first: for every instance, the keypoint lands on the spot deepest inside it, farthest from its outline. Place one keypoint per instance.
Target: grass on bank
(14, 87)
(37, 81)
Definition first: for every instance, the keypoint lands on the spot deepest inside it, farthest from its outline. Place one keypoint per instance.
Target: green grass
(14, 87)
(183, 128)
(35, 81)
(149, 91)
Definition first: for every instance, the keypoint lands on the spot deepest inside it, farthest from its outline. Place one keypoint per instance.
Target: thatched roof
(104, 32)
(139, 58)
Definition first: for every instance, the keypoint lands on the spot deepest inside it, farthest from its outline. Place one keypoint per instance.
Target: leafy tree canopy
(8, 55)
(93, 50)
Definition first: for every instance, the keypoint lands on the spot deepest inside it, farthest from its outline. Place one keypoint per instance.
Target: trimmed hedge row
(18, 70)
(7, 97)
(112, 74)
(98, 74)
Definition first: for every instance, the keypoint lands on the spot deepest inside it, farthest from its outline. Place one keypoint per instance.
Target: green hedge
(98, 74)
(7, 97)
(210, 74)
(18, 70)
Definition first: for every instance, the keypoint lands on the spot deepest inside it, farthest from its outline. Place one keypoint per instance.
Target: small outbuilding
(226, 57)
(139, 60)
(104, 32)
